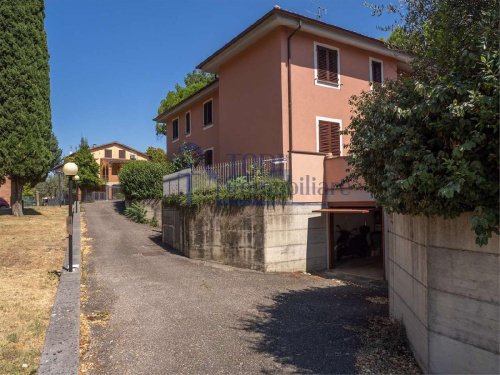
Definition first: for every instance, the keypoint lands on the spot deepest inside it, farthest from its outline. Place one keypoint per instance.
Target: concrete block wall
(266, 238)
(295, 238)
(445, 289)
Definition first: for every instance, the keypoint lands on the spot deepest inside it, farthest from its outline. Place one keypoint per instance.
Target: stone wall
(266, 238)
(445, 289)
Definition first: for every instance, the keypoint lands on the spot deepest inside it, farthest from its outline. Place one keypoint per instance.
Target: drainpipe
(290, 138)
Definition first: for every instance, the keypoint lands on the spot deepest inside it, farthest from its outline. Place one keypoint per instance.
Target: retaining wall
(445, 289)
(266, 238)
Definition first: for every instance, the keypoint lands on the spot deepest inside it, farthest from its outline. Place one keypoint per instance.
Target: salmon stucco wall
(250, 96)
(310, 101)
(205, 137)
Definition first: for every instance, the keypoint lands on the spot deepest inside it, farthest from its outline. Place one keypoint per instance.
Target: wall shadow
(316, 330)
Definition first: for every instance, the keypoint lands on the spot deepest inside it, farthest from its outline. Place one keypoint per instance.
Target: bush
(259, 189)
(136, 212)
(143, 179)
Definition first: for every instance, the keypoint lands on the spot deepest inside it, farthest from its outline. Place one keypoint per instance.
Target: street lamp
(70, 170)
(76, 178)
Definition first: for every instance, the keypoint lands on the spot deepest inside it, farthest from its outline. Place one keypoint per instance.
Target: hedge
(143, 179)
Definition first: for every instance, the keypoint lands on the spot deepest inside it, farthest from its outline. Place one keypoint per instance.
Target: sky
(113, 61)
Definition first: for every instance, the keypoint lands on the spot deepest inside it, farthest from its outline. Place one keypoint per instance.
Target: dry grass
(32, 251)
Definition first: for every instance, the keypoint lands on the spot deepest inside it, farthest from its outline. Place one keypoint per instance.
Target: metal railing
(211, 177)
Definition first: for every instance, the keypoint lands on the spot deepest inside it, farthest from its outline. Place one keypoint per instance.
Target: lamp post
(70, 170)
(76, 178)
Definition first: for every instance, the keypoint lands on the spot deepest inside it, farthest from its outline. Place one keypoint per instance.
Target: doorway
(356, 241)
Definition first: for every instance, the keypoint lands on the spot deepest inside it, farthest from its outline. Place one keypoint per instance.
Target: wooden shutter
(327, 64)
(329, 137)
(121, 154)
(108, 153)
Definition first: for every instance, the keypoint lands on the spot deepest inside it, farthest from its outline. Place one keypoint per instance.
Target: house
(111, 157)
(282, 89)
(5, 190)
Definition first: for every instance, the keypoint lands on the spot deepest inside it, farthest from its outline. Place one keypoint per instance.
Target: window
(175, 129)
(133, 157)
(108, 153)
(327, 66)
(209, 157)
(121, 154)
(376, 71)
(329, 137)
(115, 169)
(208, 113)
(188, 123)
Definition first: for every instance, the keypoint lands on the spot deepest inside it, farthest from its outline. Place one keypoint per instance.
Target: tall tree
(428, 144)
(193, 81)
(88, 169)
(156, 154)
(28, 147)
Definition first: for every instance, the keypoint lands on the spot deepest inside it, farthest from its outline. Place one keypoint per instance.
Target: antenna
(320, 10)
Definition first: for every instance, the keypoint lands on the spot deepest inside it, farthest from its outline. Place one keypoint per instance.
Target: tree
(428, 144)
(187, 156)
(28, 147)
(156, 154)
(143, 180)
(193, 82)
(88, 169)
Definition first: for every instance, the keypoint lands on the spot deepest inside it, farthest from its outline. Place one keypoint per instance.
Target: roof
(186, 102)
(115, 143)
(279, 17)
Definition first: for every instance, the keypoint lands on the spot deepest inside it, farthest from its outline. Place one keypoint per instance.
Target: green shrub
(258, 189)
(143, 179)
(136, 212)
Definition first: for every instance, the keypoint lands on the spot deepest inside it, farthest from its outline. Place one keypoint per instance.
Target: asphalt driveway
(172, 315)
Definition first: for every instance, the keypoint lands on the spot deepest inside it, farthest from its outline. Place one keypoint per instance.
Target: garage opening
(356, 243)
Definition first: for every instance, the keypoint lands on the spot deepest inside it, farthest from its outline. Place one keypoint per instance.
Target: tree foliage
(143, 179)
(188, 155)
(428, 144)
(88, 169)
(193, 82)
(156, 154)
(28, 147)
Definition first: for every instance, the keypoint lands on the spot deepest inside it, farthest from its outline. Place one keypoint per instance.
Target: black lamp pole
(70, 237)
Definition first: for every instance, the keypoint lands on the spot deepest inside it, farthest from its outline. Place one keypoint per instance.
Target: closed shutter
(327, 64)
(121, 154)
(329, 137)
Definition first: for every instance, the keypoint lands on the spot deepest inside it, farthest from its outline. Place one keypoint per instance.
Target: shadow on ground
(316, 330)
(26, 212)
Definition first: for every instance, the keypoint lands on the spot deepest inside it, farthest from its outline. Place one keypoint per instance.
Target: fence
(211, 177)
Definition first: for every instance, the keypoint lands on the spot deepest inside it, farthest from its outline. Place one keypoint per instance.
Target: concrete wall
(266, 238)
(152, 206)
(446, 291)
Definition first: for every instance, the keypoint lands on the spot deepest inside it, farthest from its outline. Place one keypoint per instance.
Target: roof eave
(277, 18)
(189, 100)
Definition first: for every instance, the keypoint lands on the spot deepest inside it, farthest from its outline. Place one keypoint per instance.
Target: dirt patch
(385, 349)
(32, 251)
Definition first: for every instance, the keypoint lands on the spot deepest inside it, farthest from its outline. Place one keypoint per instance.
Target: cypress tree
(28, 147)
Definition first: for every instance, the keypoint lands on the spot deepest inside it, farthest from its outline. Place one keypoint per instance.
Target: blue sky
(112, 61)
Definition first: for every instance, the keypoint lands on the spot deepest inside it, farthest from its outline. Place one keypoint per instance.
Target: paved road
(173, 315)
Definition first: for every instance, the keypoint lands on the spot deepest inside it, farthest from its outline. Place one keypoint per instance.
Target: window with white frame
(376, 71)
(327, 65)
(175, 129)
(208, 156)
(208, 113)
(329, 137)
(188, 123)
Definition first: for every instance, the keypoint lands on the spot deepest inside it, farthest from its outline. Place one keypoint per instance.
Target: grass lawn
(32, 251)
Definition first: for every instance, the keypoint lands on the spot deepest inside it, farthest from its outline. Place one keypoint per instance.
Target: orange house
(283, 88)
